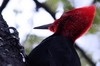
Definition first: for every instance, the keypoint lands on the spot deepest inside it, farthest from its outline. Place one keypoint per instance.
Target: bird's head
(74, 23)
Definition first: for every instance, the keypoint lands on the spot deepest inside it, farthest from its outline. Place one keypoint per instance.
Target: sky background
(22, 15)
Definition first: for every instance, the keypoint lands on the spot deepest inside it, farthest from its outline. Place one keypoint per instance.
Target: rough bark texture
(11, 52)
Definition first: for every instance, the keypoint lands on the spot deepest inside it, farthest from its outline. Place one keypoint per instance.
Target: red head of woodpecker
(73, 23)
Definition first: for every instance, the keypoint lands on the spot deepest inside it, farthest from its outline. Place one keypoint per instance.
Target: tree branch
(11, 52)
(84, 55)
(3, 5)
(38, 4)
(94, 1)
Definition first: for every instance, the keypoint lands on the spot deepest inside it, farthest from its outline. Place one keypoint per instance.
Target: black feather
(55, 50)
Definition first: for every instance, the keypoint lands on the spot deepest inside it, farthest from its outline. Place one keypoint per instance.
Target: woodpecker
(58, 49)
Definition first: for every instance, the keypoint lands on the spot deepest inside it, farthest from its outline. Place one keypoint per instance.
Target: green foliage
(67, 5)
(53, 4)
(98, 0)
(96, 24)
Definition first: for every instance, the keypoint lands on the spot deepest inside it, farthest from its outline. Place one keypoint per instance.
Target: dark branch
(94, 1)
(3, 5)
(38, 4)
(84, 55)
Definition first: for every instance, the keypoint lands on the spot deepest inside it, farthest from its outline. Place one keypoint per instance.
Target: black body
(55, 50)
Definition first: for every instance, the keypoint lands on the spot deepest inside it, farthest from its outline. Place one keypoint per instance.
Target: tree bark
(11, 52)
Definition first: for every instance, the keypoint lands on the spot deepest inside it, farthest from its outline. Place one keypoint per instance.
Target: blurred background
(24, 15)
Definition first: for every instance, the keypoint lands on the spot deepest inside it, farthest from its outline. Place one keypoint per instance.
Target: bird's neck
(67, 38)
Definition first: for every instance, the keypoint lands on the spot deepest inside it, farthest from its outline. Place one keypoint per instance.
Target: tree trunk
(11, 52)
